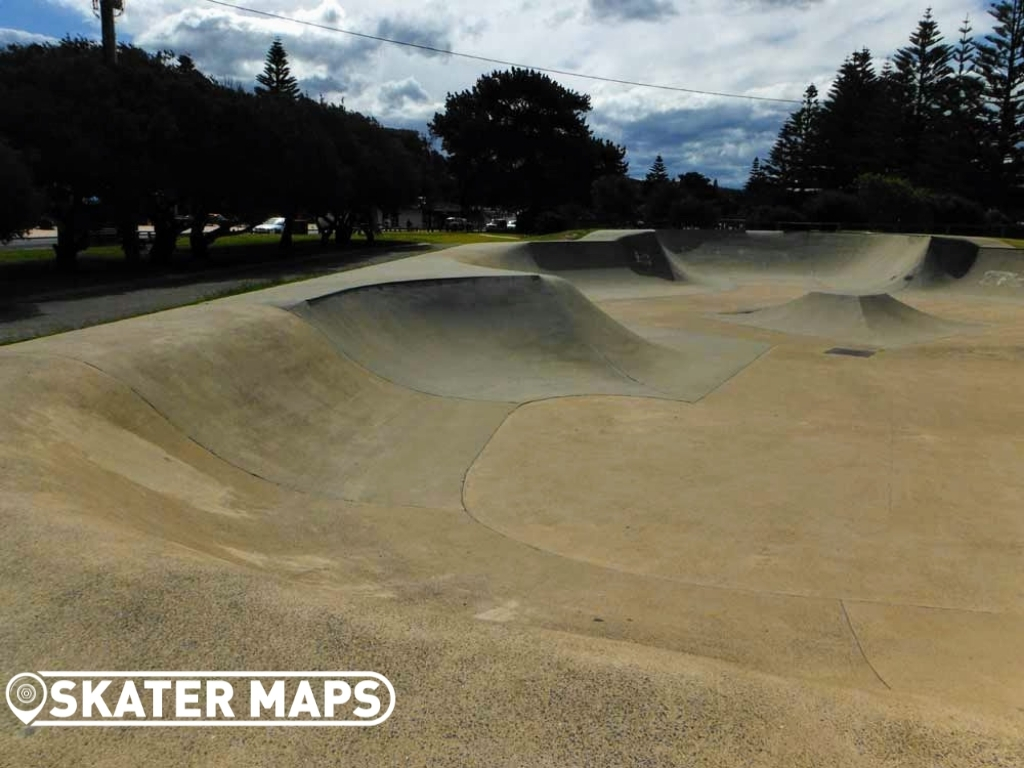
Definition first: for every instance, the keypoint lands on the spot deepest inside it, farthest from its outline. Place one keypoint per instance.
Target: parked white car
(274, 226)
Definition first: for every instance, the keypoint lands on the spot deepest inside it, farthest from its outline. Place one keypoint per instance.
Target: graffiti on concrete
(642, 259)
(1004, 279)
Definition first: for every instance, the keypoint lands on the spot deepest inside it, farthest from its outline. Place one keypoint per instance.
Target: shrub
(691, 212)
(893, 202)
(772, 216)
(952, 211)
(838, 207)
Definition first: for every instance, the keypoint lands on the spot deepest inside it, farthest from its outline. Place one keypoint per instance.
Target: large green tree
(520, 140)
(78, 140)
(19, 198)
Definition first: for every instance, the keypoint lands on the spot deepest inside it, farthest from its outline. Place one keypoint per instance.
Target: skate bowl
(572, 520)
(514, 339)
(849, 263)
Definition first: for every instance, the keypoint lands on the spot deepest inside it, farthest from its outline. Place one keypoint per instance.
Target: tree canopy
(937, 130)
(519, 139)
(155, 139)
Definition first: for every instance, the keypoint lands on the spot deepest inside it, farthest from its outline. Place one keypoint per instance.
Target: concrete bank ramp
(639, 251)
(259, 388)
(512, 338)
(880, 321)
(607, 264)
(995, 270)
(852, 263)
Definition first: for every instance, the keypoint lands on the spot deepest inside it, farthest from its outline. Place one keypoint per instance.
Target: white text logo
(200, 699)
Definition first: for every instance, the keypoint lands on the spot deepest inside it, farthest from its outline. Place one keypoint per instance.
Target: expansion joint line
(856, 639)
(892, 450)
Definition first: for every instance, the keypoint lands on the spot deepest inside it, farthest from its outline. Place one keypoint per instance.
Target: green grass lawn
(249, 238)
(467, 238)
(256, 242)
(267, 244)
(17, 255)
(1016, 243)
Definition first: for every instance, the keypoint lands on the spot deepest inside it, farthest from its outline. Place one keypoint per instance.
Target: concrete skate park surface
(618, 501)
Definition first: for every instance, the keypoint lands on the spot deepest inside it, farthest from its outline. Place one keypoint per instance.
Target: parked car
(454, 223)
(511, 224)
(496, 225)
(274, 226)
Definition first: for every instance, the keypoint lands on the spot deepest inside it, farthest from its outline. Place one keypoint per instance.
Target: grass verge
(268, 244)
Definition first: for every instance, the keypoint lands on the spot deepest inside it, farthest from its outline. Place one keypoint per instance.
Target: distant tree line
(153, 139)
(935, 137)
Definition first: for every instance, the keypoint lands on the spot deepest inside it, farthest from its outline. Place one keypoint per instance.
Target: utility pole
(108, 9)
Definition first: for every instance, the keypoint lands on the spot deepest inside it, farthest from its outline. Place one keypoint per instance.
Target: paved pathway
(22, 320)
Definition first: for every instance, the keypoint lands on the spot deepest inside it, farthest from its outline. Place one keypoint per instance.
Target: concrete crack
(856, 639)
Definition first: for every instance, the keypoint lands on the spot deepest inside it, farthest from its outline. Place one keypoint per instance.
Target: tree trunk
(165, 235)
(325, 226)
(343, 229)
(197, 236)
(128, 231)
(70, 238)
(66, 249)
(286, 234)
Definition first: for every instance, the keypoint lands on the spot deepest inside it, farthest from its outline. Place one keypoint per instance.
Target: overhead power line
(501, 62)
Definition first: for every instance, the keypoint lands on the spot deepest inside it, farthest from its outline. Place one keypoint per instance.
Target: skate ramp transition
(847, 263)
(817, 562)
(844, 263)
(513, 338)
(639, 251)
(607, 264)
(877, 321)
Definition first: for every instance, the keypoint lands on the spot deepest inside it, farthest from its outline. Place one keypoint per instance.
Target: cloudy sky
(767, 48)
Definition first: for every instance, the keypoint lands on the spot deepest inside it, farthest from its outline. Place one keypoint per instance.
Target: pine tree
(758, 187)
(757, 179)
(963, 54)
(891, 119)
(850, 123)
(794, 162)
(276, 78)
(964, 148)
(657, 174)
(1000, 64)
(924, 68)
(923, 75)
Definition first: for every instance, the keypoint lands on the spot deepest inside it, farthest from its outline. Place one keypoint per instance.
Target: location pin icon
(26, 695)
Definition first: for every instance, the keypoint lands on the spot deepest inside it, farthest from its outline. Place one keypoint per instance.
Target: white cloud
(18, 37)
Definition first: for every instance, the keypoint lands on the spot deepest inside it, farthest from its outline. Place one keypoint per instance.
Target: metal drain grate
(850, 352)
